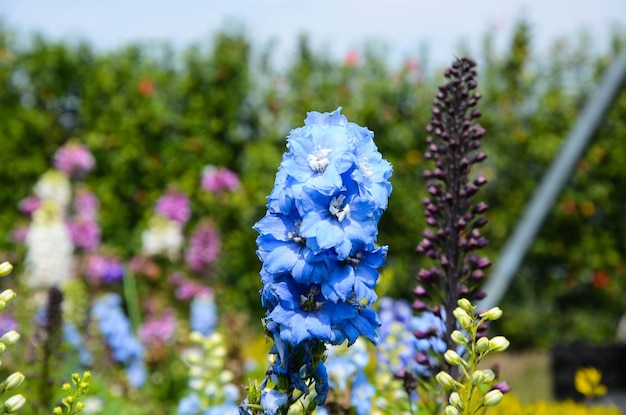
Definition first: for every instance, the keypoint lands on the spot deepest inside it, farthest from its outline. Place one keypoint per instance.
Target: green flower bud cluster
(207, 376)
(14, 380)
(70, 402)
(472, 391)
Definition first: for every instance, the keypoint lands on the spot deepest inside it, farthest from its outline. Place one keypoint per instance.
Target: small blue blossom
(272, 400)
(203, 314)
(117, 332)
(74, 338)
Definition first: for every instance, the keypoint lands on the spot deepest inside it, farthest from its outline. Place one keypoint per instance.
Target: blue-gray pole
(555, 179)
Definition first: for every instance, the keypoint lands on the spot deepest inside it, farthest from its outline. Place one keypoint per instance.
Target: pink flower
(187, 289)
(85, 233)
(219, 179)
(352, 58)
(28, 205)
(158, 330)
(19, 234)
(73, 159)
(86, 204)
(175, 206)
(204, 246)
(143, 265)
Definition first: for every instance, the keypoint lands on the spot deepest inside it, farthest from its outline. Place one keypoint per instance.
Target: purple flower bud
(420, 291)
(481, 207)
(483, 263)
(480, 181)
(502, 387)
(425, 275)
(422, 359)
(418, 305)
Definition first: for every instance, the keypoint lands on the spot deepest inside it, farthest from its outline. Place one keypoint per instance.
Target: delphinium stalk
(448, 288)
(452, 215)
(118, 334)
(317, 243)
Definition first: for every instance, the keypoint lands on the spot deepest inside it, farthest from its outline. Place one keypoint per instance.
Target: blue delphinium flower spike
(318, 246)
(117, 332)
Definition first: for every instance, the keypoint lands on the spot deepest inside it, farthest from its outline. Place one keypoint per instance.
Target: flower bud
(492, 314)
(453, 358)
(5, 268)
(466, 305)
(464, 319)
(478, 377)
(10, 338)
(489, 375)
(14, 403)
(445, 380)
(12, 382)
(455, 400)
(7, 296)
(458, 337)
(482, 345)
(497, 344)
(450, 410)
(492, 398)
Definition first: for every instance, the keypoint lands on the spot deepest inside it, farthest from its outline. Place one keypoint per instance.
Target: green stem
(132, 299)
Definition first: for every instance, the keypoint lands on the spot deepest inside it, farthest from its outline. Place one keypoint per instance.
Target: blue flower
(317, 243)
(272, 400)
(117, 333)
(74, 338)
(203, 315)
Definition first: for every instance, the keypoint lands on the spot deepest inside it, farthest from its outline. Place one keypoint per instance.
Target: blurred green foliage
(154, 117)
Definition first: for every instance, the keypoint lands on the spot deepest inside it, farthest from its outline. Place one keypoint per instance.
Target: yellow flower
(587, 381)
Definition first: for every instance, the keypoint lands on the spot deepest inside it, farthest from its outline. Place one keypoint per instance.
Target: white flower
(49, 248)
(55, 187)
(163, 237)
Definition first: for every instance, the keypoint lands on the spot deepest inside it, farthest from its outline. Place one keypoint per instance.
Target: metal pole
(553, 182)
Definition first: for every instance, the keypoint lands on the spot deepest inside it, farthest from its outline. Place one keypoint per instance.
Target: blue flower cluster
(409, 343)
(118, 334)
(346, 371)
(317, 242)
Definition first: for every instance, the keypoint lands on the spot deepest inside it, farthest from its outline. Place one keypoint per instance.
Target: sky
(404, 27)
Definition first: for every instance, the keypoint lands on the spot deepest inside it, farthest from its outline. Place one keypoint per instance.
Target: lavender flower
(219, 180)
(454, 217)
(204, 246)
(103, 268)
(174, 206)
(117, 332)
(74, 160)
(317, 243)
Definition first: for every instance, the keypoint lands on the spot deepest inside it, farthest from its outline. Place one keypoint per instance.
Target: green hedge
(154, 117)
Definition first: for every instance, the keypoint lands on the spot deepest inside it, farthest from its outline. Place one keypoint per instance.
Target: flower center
(366, 169)
(308, 303)
(295, 235)
(336, 209)
(354, 260)
(319, 160)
